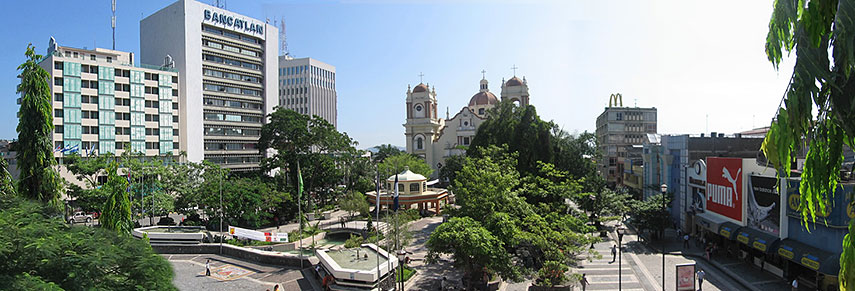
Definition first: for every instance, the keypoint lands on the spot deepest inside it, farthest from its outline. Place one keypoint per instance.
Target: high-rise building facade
(307, 86)
(104, 103)
(228, 65)
(618, 129)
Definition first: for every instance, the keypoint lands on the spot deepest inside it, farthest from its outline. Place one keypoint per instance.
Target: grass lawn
(408, 272)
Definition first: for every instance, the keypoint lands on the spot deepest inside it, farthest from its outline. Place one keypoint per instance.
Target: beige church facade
(434, 138)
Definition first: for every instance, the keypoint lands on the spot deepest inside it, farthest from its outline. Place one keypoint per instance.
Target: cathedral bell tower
(422, 125)
(515, 90)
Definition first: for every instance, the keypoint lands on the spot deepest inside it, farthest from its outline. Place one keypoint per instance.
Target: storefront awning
(757, 239)
(728, 230)
(813, 258)
(709, 222)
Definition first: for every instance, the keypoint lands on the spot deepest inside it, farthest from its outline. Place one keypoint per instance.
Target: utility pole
(221, 215)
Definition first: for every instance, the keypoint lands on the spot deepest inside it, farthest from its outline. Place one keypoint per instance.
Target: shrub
(354, 241)
(551, 274)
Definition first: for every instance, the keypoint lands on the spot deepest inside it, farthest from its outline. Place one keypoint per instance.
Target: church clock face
(418, 108)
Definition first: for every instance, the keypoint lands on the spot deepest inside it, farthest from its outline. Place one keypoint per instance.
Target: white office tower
(307, 86)
(227, 65)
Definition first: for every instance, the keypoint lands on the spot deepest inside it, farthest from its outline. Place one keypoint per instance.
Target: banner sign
(686, 277)
(698, 184)
(763, 204)
(839, 209)
(724, 187)
(257, 235)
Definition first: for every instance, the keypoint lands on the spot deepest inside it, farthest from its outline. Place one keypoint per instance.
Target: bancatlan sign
(221, 19)
(724, 187)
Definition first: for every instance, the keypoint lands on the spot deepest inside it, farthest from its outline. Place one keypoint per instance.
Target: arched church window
(414, 187)
(420, 143)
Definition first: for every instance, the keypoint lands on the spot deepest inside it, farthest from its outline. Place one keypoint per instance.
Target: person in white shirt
(701, 275)
(795, 284)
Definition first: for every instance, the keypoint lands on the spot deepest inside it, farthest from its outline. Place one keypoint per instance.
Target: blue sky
(690, 60)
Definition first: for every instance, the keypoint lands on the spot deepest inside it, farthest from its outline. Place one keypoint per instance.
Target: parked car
(80, 217)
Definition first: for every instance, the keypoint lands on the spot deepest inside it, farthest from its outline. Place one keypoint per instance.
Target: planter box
(328, 215)
(310, 216)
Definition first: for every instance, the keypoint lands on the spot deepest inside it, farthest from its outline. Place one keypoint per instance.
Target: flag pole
(300, 211)
(377, 220)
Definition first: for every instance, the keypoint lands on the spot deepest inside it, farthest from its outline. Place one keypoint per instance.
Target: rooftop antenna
(283, 39)
(113, 22)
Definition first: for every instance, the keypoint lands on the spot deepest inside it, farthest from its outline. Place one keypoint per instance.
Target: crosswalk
(605, 274)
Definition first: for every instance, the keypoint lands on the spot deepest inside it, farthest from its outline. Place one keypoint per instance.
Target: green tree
(384, 151)
(650, 215)
(820, 83)
(247, 202)
(474, 248)
(38, 179)
(116, 213)
(354, 202)
(448, 172)
(7, 184)
(552, 274)
(41, 252)
(397, 163)
(398, 233)
(312, 142)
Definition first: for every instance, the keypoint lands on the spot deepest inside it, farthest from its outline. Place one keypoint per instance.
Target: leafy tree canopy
(384, 151)
(39, 181)
(41, 252)
(820, 83)
(473, 248)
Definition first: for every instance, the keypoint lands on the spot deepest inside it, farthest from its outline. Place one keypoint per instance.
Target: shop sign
(725, 231)
(810, 261)
(764, 204)
(742, 237)
(838, 207)
(786, 252)
(760, 244)
(724, 187)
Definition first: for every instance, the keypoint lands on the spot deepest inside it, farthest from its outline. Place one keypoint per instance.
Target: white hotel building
(104, 103)
(307, 86)
(228, 67)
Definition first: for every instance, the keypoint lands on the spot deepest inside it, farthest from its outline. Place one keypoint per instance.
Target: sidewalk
(749, 276)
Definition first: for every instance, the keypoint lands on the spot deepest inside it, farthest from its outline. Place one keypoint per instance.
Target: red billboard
(724, 187)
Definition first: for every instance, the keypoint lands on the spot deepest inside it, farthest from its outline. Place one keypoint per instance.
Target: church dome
(421, 87)
(514, 82)
(483, 98)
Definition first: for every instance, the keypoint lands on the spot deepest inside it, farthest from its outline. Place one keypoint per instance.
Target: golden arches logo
(616, 100)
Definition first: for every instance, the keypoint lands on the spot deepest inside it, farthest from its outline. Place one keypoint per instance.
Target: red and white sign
(257, 235)
(724, 187)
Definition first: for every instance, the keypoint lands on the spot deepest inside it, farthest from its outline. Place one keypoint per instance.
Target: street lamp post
(664, 189)
(620, 231)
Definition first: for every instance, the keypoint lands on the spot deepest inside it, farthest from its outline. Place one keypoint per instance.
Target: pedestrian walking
(584, 282)
(276, 219)
(614, 253)
(208, 267)
(443, 285)
(679, 233)
(795, 284)
(686, 241)
(701, 275)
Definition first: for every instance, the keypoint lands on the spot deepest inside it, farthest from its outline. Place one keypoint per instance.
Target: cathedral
(434, 138)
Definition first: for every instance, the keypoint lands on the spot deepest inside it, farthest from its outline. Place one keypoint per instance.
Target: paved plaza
(234, 274)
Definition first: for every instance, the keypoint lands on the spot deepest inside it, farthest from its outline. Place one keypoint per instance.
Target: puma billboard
(724, 187)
